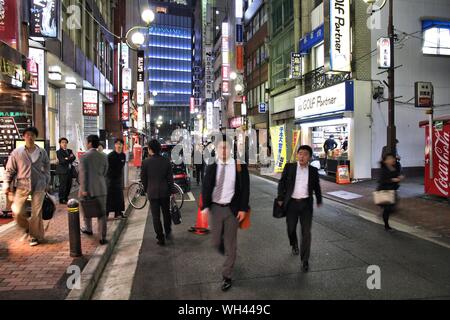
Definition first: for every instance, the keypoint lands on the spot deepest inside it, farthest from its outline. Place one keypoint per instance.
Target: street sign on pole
(423, 94)
(262, 108)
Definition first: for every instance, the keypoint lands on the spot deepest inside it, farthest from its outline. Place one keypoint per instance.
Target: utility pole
(391, 130)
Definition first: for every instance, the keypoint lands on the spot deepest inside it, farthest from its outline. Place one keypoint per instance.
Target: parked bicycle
(137, 196)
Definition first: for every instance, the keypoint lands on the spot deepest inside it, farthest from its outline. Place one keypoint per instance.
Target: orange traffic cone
(201, 227)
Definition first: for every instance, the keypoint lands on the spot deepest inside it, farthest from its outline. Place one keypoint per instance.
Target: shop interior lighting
(55, 73)
(71, 83)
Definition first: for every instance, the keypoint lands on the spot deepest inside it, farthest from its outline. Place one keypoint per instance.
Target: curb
(94, 268)
(373, 216)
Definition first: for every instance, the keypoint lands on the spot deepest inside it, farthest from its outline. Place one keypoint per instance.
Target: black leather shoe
(103, 242)
(89, 233)
(169, 236)
(226, 284)
(305, 266)
(295, 250)
(161, 242)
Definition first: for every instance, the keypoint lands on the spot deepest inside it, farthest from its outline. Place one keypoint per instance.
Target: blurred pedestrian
(28, 172)
(157, 178)
(385, 151)
(390, 178)
(226, 194)
(199, 164)
(295, 194)
(64, 170)
(116, 162)
(101, 147)
(329, 145)
(93, 171)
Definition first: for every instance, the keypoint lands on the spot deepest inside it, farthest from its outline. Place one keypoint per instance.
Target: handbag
(48, 208)
(384, 197)
(92, 207)
(175, 214)
(278, 211)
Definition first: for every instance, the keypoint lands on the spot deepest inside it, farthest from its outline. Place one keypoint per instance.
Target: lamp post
(391, 129)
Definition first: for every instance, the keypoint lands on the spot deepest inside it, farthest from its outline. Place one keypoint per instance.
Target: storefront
(341, 113)
(16, 102)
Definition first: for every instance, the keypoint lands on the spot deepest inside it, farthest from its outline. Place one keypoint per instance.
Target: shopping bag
(245, 224)
(384, 197)
(48, 207)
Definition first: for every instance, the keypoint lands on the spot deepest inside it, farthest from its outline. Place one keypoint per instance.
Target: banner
(295, 144)
(90, 102)
(278, 134)
(44, 17)
(8, 22)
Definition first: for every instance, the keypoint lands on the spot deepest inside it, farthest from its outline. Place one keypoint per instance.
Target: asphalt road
(343, 247)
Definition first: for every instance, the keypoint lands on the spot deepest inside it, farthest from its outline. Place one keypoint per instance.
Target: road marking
(190, 197)
(345, 195)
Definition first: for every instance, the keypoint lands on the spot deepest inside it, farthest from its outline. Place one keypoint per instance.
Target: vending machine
(437, 157)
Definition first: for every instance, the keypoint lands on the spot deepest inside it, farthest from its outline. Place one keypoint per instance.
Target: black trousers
(199, 168)
(303, 211)
(156, 206)
(65, 184)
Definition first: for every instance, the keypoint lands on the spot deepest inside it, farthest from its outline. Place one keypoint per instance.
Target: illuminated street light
(154, 93)
(148, 16)
(238, 87)
(152, 102)
(138, 39)
(233, 75)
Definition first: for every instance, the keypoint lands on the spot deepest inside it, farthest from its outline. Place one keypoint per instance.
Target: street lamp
(148, 16)
(391, 130)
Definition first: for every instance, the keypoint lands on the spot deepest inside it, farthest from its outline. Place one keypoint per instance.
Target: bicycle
(137, 196)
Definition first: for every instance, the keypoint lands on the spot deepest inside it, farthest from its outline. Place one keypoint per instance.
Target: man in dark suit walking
(157, 178)
(295, 194)
(226, 193)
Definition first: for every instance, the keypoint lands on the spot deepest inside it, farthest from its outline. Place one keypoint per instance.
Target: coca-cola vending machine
(437, 183)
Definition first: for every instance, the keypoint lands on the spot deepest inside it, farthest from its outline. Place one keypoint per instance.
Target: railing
(318, 79)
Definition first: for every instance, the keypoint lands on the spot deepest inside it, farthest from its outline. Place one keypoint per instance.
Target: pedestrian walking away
(93, 171)
(64, 170)
(28, 173)
(390, 178)
(157, 178)
(226, 193)
(329, 145)
(116, 162)
(298, 183)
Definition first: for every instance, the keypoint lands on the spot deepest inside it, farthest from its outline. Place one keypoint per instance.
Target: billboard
(90, 102)
(44, 18)
(8, 22)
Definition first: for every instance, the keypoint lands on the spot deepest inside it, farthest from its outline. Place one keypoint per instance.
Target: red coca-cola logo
(442, 154)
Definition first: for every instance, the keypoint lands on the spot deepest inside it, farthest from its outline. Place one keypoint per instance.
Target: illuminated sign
(44, 17)
(337, 43)
(126, 79)
(225, 59)
(38, 57)
(192, 105)
(239, 9)
(140, 91)
(209, 116)
(125, 106)
(90, 102)
(8, 22)
(384, 53)
(296, 65)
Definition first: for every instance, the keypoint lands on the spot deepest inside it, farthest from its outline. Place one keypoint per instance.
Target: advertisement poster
(44, 17)
(278, 134)
(295, 143)
(8, 22)
(90, 102)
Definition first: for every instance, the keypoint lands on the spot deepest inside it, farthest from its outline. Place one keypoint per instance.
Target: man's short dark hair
(155, 146)
(307, 148)
(224, 138)
(32, 130)
(94, 140)
(118, 140)
(331, 136)
(63, 139)
(101, 143)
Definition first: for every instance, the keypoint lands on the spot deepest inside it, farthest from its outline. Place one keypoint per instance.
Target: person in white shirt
(295, 194)
(226, 192)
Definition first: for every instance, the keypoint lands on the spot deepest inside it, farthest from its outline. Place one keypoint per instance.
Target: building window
(436, 35)
(319, 56)
(288, 11)
(277, 18)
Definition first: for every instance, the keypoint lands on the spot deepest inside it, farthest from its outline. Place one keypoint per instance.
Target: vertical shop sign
(278, 134)
(44, 18)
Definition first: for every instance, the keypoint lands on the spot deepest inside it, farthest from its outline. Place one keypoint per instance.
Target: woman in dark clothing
(116, 162)
(64, 170)
(390, 178)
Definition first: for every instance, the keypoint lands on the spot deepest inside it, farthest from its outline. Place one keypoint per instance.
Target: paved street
(344, 245)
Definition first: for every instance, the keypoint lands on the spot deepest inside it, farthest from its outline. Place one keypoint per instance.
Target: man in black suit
(295, 193)
(226, 193)
(64, 170)
(157, 178)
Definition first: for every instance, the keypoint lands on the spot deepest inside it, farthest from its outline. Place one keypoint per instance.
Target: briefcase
(278, 211)
(92, 207)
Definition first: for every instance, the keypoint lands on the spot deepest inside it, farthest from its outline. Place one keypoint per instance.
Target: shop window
(318, 56)
(436, 37)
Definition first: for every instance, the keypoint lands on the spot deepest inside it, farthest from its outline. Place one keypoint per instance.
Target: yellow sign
(295, 144)
(278, 134)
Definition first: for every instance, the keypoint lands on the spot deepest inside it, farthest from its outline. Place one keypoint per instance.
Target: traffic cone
(201, 227)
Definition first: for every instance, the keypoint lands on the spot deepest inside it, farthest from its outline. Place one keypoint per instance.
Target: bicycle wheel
(178, 196)
(137, 196)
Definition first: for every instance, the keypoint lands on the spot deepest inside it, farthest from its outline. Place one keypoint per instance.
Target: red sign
(34, 72)
(240, 58)
(90, 102)
(225, 88)
(236, 122)
(192, 105)
(225, 72)
(439, 184)
(125, 106)
(8, 22)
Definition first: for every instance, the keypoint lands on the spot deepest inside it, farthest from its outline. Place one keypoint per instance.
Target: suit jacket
(63, 164)
(93, 171)
(287, 184)
(157, 177)
(240, 201)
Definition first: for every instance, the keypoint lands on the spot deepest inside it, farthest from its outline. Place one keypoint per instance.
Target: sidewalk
(416, 211)
(40, 272)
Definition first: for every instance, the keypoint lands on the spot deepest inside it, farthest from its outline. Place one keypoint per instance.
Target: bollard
(73, 209)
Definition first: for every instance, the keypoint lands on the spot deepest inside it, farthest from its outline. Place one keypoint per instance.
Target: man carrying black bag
(93, 171)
